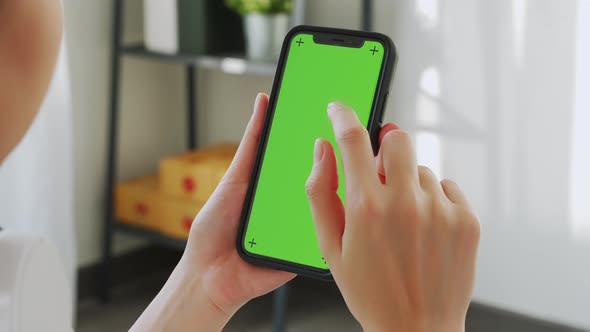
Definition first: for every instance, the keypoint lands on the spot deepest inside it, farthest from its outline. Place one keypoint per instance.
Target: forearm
(182, 305)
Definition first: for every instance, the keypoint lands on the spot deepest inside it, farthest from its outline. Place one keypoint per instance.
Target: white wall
(491, 90)
(88, 25)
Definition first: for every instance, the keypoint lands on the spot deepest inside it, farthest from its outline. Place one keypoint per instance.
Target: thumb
(241, 167)
(326, 207)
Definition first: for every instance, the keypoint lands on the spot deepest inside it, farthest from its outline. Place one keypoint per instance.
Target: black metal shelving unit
(227, 63)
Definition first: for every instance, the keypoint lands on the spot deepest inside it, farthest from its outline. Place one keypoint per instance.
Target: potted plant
(265, 25)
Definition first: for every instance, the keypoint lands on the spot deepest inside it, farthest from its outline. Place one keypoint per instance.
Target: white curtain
(497, 94)
(36, 179)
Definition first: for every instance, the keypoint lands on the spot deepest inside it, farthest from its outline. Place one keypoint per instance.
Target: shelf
(231, 64)
(152, 236)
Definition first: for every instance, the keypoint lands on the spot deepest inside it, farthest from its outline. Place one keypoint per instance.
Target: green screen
(280, 225)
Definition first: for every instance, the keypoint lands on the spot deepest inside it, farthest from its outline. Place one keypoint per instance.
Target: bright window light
(519, 18)
(428, 11)
(427, 111)
(430, 82)
(233, 66)
(580, 164)
(428, 151)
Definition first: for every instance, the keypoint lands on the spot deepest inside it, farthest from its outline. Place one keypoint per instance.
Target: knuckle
(414, 219)
(473, 225)
(425, 173)
(397, 135)
(439, 215)
(370, 207)
(352, 135)
(312, 187)
(448, 183)
(252, 130)
(467, 225)
(440, 211)
(409, 208)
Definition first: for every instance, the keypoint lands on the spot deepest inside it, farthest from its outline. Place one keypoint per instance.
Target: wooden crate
(136, 202)
(195, 175)
(176, 215)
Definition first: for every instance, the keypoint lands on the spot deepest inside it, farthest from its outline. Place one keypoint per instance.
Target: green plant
(260, 6)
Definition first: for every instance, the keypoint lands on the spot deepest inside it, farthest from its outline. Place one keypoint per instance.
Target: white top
(34, 291)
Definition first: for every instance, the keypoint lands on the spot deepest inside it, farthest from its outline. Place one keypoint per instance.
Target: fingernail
(335, 105)
(318, 151)
(256, 103)
(257, 100)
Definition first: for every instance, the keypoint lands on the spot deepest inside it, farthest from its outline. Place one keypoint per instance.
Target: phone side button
(385, 97)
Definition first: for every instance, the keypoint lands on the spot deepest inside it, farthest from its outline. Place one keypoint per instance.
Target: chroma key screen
(280, 224)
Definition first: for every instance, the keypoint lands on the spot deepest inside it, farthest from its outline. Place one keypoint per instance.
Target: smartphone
(316, 66)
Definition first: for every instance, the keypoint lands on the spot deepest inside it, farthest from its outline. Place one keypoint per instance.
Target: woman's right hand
(403, 248)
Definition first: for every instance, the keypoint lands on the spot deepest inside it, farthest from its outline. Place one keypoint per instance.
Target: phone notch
(326, 38)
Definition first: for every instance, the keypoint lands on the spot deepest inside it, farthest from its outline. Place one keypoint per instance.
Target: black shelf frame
(110, 223)
(191, 63)
(140, 50)
(229, 63)
(152, 236)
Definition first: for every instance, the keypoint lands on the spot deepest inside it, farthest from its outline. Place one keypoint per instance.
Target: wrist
(183, 305)
(412, 325)
(200, 309)
(203, 283)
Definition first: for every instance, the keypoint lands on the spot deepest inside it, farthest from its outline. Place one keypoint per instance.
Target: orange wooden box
(137, 202)
(195, 175)
(176, 215)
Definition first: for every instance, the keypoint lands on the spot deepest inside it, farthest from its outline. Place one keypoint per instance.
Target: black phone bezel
(373, 127)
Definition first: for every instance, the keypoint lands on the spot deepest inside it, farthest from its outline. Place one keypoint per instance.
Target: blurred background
(496, 94)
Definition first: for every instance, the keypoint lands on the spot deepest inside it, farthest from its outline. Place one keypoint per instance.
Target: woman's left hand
(211, 253)
(211, 282)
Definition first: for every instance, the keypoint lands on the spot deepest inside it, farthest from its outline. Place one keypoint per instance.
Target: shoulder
(30, 35)
(29, 25)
